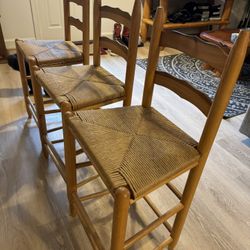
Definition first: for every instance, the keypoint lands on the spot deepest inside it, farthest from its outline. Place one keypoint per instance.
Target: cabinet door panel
(48, 19)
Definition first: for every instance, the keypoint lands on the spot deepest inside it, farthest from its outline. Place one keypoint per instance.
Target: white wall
(16, 20)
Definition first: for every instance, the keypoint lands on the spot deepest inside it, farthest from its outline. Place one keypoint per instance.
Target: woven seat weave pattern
(82, 86)
(133, 146)
(51, 52)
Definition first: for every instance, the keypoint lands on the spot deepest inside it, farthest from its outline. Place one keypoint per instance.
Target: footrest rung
(153, 225)
(87, 224)
(54, 129)
(93, 196)
(164, 243)
(57, 141)
(48, 101)
(56, 158)
(84, 182)
(174, 189)
(83, 164)
(79, 151)
(52, 111)
(157, 212)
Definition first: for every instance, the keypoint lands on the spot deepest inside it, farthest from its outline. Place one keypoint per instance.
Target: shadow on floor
(10, 92)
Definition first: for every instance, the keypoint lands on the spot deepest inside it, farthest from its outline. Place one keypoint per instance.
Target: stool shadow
(10, 92)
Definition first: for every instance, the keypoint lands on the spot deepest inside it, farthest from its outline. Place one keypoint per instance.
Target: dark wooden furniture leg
(3, 50)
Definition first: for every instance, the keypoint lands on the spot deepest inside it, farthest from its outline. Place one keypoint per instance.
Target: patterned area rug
(187, 68)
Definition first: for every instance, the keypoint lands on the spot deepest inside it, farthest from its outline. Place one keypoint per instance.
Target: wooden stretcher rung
(164, 243)
(87, 224)
(94, 196)
(157, 212)
(31, 108)
(84, 182)
(57, 141)
(83, 164)
(174, 190)
(48, 101)
(56, 158)
(153, 225)
(54, 129)
(79, 151)
(31, 102)
(28, 77)
(52, 111)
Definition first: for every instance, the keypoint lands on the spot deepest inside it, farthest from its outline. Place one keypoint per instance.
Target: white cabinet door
(48, 19)
(16, 21)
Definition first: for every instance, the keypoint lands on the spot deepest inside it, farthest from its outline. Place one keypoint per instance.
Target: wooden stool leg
(23, 74)
(187, 197)
(146, 15)
(120, 217)
(226, 12)
(38, 97)
(70, 157)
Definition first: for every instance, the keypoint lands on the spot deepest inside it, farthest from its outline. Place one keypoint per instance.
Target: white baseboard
(10, 43)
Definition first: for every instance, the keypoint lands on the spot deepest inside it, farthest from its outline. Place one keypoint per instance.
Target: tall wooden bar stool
(89, 87)
(54, 52)
(136, 150)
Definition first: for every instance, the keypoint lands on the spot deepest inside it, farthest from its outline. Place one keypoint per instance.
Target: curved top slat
(116, 15)
(212, 54)
(114, 47)
(184, 90)
(78, 2)
(76, 23)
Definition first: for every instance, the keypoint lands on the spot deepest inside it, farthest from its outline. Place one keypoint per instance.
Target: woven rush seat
(51, 52)
(126, 144)
(82, 86)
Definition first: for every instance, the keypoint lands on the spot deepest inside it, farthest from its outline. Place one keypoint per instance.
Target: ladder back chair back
(214, 110)
(83, 25)
(88, 86)
(136, 150)
(129, 54)
(48, 53)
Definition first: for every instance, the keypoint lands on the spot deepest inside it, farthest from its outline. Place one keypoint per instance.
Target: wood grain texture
(33, 199)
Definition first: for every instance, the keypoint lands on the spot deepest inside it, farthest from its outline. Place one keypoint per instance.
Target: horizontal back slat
(78, 2)
(76, 22)
(116, 15)
(115, 47)
(212, 54)
(184, 90)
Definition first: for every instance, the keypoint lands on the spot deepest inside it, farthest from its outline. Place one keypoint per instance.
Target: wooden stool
(88, 86)
(136, 150)
(54, 53)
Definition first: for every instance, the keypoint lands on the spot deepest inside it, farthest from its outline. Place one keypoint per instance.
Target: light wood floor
(33, 203)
